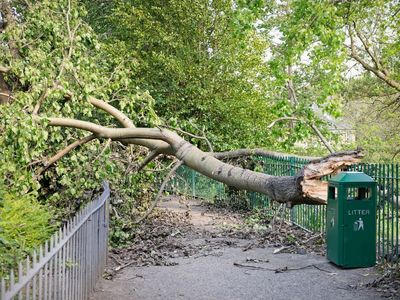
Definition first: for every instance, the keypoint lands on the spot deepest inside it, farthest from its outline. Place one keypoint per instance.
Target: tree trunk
(292, 190)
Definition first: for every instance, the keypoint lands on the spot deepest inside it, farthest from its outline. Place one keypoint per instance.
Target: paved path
(216, 277)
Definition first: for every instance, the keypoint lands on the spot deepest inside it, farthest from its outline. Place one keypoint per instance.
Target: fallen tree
(54, 65)
(304, 188)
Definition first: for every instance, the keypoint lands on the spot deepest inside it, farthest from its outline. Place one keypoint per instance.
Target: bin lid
(351, 177)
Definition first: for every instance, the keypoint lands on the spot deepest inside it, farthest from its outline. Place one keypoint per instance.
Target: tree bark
(291, 190)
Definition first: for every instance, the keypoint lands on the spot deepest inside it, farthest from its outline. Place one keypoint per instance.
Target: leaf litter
(169, 234)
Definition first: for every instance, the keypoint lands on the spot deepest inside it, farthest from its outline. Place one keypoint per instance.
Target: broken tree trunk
(292, 190)
(312, 186)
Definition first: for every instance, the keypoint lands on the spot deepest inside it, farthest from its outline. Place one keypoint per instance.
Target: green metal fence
(388, 210)
(308, 217)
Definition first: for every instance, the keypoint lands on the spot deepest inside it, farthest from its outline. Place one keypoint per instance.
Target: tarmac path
(231, 273)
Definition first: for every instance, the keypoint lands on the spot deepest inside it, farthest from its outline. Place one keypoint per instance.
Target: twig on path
(257, 260)
(250, 267)
(280, 270)
(119, 268)
(323, 270)
(279, 250)
(136, 276)
(313, 238)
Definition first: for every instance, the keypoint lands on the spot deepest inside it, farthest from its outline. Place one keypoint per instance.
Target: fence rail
(308, 217)
(69, 264)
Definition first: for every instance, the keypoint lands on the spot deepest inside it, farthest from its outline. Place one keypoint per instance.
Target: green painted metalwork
(351, 230)
(309, 217)
(350, 178)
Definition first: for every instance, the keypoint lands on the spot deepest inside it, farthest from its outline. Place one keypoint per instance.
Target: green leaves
(24, 225)
(201, 61)
(60, 64)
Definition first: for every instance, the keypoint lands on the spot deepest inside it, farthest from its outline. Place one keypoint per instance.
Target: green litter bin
(351, 220)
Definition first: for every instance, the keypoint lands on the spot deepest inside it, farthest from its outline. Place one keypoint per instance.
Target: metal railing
(308, 217)
(69, 264)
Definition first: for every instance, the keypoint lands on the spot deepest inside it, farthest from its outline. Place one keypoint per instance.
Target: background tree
(326, 44)
(306, 65)
(202, 61)
(375, 123)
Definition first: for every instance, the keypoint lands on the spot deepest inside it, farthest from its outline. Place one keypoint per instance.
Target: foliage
(55, 58)
(375, 126)
(58, 66)
(202, 61)
(311, 45)
(24, 225)
(305, 66)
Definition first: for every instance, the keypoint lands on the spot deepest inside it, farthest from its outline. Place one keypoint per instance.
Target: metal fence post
(193, 183)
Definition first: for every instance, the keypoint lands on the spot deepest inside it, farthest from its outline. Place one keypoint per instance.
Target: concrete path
(230, 273)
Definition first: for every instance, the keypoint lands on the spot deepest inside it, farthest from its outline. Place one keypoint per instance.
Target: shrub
(24, 225)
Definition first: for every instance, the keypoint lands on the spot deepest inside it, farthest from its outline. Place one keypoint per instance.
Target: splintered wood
(312, 186)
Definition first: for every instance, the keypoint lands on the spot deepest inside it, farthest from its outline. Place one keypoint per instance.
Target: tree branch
(160, 146)
(322, 138)
(4, 69)
(116, 134)
(40, 101)
(314, 128)
(395, 154)
(257, 151)
(282, 119)
(198, 160)
(103, 150)
(64, 152)
(7, 95)
(290, 86)
(283, 189)
(5, 92)
(381, 74)
(191, 135)
(117, 114)
(160, 191)
(150, 157)
(367, 48)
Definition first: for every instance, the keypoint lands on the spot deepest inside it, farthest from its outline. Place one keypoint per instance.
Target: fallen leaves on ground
(168, 234)
(156, 240)
(389, 282)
